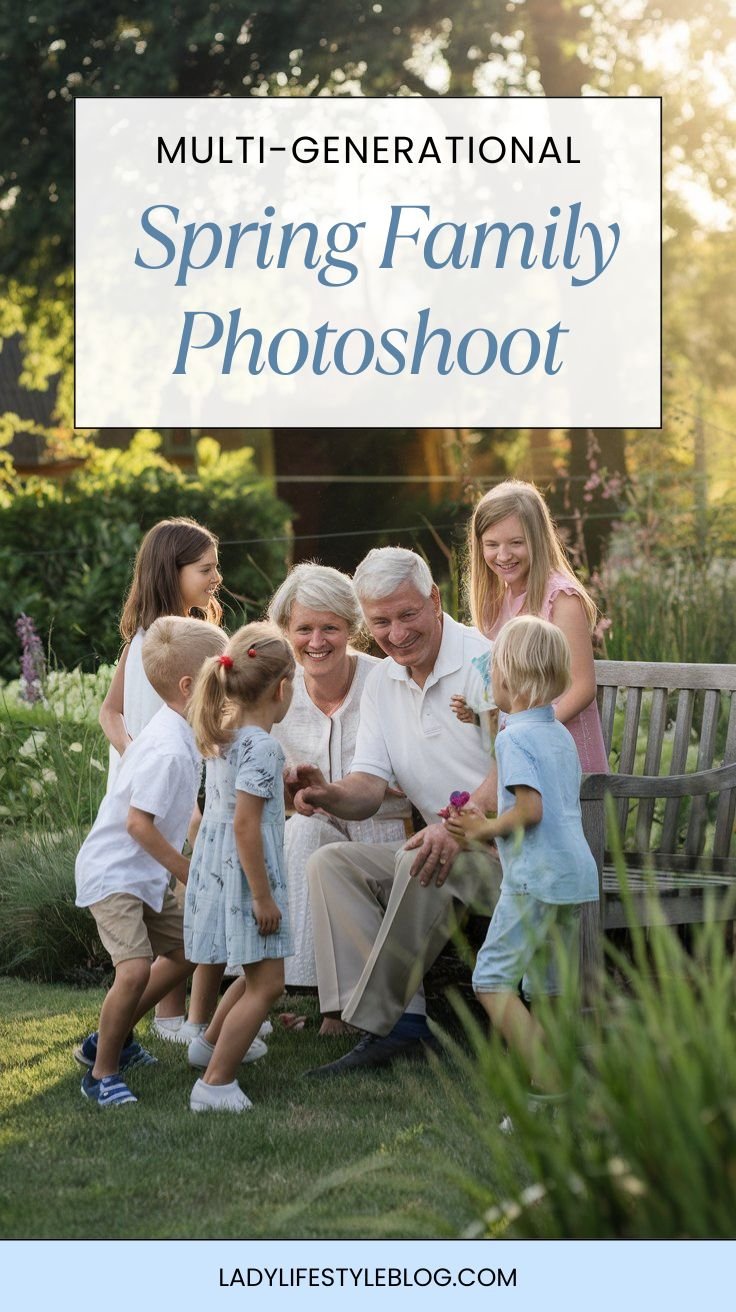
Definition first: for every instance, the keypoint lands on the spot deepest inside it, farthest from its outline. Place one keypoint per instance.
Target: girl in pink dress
(518, 566)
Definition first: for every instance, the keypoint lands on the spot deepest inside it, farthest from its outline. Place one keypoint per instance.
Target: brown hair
(254, 662)
(174, 646)
(546, 552)
(532, 657)
(167, 547)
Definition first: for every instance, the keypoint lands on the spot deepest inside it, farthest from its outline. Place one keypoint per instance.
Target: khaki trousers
(377, 930)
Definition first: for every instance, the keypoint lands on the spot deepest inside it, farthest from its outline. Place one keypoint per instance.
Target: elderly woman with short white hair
(317, 609)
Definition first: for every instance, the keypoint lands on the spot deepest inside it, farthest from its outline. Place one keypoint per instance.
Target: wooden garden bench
(675, 821)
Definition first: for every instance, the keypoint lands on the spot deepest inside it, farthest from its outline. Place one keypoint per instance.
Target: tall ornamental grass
(53, 774)
(43, 935)
(680, 609)
(645, 1145)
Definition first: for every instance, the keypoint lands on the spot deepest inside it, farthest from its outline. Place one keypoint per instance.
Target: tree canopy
(52, 51)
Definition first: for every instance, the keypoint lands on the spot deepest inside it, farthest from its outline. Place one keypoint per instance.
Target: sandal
(291, 1021)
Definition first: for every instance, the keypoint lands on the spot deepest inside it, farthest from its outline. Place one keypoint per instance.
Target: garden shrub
(66, 550)
(43, 935)
(52, 779)
(53, 772)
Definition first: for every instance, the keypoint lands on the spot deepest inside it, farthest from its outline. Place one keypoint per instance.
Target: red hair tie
(252, 651)
(227, 661)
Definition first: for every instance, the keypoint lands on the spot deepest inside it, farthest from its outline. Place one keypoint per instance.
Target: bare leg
(524, 1035)
(231, 995)
(119, 1013)
(333, 1026)
(174, 1004)
(166, 973)
(236, 1021)
(205, 989)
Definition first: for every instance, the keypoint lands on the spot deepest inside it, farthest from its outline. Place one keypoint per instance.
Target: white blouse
(308, 736)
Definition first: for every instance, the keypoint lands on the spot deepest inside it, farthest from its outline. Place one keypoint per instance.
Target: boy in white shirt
(124, 867)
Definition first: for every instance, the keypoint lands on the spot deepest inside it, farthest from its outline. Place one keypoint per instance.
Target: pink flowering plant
(32, 662)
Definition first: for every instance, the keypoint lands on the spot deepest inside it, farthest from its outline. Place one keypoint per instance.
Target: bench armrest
(595, 786)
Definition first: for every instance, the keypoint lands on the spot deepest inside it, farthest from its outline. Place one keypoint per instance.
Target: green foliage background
(66, 550)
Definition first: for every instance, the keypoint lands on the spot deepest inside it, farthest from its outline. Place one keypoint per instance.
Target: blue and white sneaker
(109, 1091)
(133, 1054)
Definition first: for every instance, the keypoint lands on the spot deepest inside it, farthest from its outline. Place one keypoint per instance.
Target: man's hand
(437, 851)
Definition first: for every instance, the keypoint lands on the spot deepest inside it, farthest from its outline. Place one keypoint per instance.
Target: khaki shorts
(130, 928)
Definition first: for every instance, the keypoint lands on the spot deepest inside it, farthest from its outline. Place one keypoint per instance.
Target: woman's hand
(267, 914)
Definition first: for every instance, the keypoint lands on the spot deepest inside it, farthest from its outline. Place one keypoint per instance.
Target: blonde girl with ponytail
(236, 905)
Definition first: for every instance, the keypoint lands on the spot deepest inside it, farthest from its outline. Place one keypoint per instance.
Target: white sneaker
(168, 1028)
(218, 1098)
(265, 1030)
(189, 1030)
(200, 1052)
(537, 1104)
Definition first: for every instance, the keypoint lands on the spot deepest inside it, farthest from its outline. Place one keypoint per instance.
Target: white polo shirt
(411, 734)
(159, 773)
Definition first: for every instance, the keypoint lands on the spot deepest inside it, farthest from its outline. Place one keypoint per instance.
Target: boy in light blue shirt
(548, 868)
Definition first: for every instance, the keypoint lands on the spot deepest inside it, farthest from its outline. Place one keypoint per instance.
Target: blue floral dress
(219, 925)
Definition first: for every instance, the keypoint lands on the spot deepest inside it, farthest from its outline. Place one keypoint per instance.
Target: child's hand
(180, 869)
(461, 709)
(471, 810)
(310, 789)
(468, 825)
(291, 784)
(267, 914)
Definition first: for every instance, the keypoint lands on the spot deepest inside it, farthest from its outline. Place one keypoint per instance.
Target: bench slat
(706, 751)
(727, 802)
(652, 762)
(683, 726)
(608, 710)
(628, 747)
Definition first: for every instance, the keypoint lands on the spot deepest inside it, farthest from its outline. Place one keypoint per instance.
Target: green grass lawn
(375, 1155)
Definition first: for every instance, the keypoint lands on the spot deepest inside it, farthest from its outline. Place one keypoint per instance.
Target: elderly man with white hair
(382, 912)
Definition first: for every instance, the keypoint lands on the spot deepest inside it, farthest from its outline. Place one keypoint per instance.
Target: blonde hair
(532, 657)
(254, 662)
(176, 646)
(546, 552)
